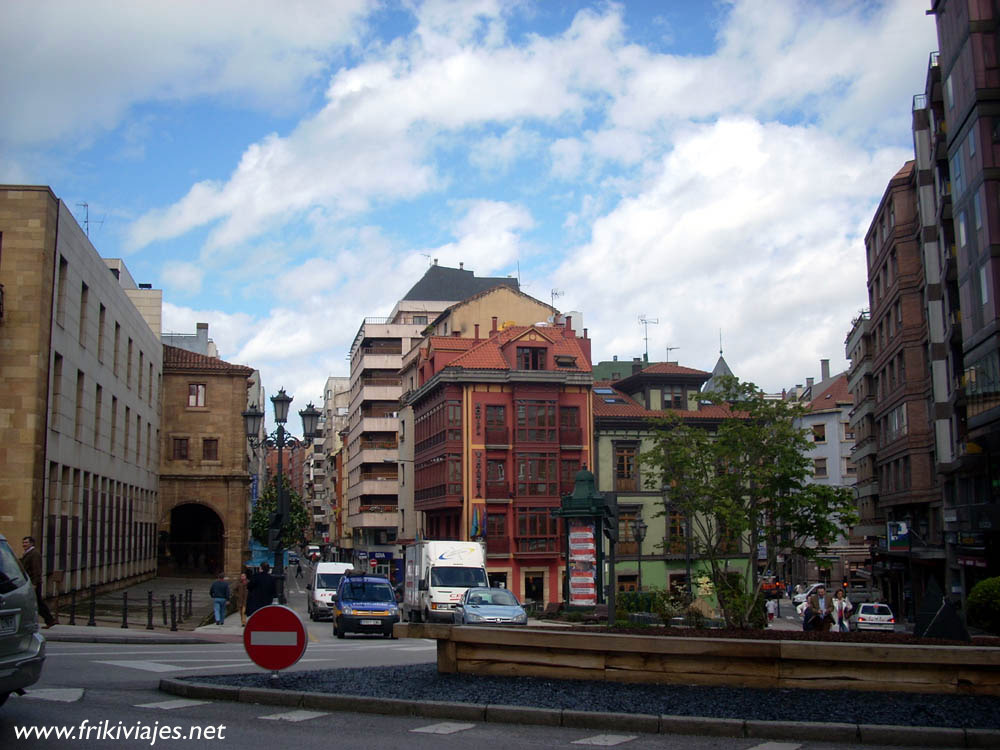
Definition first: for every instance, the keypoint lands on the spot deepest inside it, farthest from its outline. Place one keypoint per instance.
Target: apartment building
(373, 416)
(80, 381)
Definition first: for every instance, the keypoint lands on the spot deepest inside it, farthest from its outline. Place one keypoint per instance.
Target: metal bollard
(125, 609)
(190, 602)
(72, 607)
(93, 605)
(164, 603)
(173, 612)
(149, 610)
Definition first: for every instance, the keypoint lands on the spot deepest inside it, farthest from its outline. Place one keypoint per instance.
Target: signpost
(274, 638)
(373, 562)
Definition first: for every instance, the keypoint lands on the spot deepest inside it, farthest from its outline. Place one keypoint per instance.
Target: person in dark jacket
(262, 589)
(219, 591)
(31, 561)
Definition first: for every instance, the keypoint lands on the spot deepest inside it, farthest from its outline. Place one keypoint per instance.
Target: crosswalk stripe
(605, 740)
(299, 715)
(170, 705)
(60, 695)
(445, 727)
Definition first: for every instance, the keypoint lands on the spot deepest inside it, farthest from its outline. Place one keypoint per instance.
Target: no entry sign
(274, 637)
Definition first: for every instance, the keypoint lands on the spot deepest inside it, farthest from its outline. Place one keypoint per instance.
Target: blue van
(365, 604)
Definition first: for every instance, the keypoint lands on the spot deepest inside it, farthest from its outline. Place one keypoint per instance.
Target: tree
(744, 486)
(267, 504)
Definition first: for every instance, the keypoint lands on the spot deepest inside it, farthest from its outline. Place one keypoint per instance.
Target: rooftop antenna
(646, 323)
(428, 256)
(670, 349)
(720, 342)
(556, 293)
(86, 218)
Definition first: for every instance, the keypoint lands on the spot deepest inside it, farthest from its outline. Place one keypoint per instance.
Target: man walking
(261, 590)
(31, 560)
(219, 591)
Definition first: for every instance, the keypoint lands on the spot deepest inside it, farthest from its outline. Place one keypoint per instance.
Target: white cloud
(489, 237)
(182, 278)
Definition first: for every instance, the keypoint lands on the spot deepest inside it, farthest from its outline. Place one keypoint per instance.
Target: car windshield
(498, 597)
(368, 591)
(464, 577)
(876, 609)
(328, 580)
(11, 575)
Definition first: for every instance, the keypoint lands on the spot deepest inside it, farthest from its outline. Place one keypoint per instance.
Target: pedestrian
(219, 591)
(31, 561)
(298, 569)
(772, 609)
(240, 597)
(820, 604)
(840, 611)
(261, 589)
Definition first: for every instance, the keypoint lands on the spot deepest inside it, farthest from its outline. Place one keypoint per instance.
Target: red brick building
(500, 427)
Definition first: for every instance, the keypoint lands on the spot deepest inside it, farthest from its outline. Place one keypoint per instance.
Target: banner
(582, 564)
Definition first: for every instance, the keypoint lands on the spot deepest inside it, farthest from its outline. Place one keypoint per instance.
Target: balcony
(498, 436)
(537, 545)
(497, 545)
(371, 515)
(627, 484)
(570, 436)
(498, 489)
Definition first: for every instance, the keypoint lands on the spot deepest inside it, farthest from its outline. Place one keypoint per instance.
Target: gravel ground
(422, 682)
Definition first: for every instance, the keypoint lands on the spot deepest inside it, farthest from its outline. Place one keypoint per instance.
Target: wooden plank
(658, 663)
(886, 653)
(501, 669)
(527, 655)
(447, 660)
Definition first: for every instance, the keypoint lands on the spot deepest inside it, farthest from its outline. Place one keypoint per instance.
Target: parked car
(22, 646)
(364, 604)
(483, 606)
(810, 590)
(873, 616)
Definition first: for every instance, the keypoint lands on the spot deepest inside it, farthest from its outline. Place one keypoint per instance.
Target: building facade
(80, 376)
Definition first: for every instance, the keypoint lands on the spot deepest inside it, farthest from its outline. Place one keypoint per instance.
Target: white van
(323, 589)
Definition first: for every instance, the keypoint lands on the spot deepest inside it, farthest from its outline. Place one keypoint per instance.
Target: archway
(195, 541)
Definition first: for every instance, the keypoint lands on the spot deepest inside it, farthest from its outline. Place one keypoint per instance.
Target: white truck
(437, 573)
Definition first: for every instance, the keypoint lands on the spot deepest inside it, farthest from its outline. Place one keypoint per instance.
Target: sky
(284, 170)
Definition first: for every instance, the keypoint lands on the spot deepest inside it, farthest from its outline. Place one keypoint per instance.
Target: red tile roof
(833, 396)
(632, 409)
(487, 354)
(181, 359)
(670, 368)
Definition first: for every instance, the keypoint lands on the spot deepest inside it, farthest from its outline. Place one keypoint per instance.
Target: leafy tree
(983, 606)
(267, 503)
(742, 486)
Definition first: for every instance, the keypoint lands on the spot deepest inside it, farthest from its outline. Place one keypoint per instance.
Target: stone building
(204, 478)
(80, 386)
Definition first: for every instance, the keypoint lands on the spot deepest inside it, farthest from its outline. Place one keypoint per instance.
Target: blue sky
(282, 171)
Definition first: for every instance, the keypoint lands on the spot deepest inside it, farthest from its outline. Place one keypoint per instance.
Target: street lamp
(252, 420)
(639, 533)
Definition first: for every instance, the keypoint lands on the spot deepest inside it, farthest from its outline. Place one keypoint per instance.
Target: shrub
(984, 606)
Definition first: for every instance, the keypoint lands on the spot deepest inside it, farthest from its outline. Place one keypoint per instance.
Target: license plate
(371, 622)
(8, 624)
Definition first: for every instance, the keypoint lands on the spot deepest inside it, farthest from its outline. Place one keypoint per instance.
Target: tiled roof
(627, 407)
(834, 395)
(670, 368)
(177, 358)
(487, 353)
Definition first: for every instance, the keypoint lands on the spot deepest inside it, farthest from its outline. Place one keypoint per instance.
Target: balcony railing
(378, 445)
(626, 484)
(497, 489)
(535, 544)
(378, 477)
(570, 436)
(497, 545)
(497, 436)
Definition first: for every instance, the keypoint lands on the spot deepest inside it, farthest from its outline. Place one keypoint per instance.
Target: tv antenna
(86, 218)
(670, 349)
(556, 293)
(646, 323)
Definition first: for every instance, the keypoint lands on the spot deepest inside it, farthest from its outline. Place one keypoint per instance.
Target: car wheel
(337, 629)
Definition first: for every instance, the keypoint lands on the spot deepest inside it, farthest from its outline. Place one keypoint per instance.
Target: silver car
(22, 646)
(482, 606)
(873, 616)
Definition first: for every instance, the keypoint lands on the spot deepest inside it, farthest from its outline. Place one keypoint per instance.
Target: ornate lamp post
(639, 534)
(252, 419)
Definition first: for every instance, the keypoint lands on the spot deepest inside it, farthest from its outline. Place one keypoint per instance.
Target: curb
(156, 640)
(869, 734)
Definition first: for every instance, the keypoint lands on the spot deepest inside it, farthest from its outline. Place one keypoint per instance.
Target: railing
(497, 545)
(626, 484)
(497, 489)
(382, 350)
(497, 436)
(570, 436)
(378, 445)
(527, 544)
(379, 381)
(378, 477)
(377, 509)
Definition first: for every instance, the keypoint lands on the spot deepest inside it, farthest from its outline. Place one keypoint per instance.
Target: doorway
(195, 542)
(534, 589)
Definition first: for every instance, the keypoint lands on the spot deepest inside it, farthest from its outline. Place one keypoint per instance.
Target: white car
(873, 616)
(801, 598)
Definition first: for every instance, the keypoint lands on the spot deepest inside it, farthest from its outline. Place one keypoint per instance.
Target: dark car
(365, 604)
(22, 646)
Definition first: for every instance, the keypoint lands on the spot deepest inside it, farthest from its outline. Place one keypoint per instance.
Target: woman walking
(841, 612)
(240, 597)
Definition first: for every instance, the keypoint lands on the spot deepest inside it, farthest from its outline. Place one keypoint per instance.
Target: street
(110, 689)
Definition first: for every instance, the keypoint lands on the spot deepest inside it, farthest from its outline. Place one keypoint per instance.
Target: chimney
(435, 261)
(824, 369)
(809, 382)
(569, 326)
(461, 265)
(636, 365)
(494, 330)
(477, 331)
(614, 358)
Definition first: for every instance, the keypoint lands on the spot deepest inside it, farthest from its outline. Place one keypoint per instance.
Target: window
(604, 391)
(627, 545)
(537, 530)
(949, 93)
(496, 479)
(676, 533)
(138, 385)
(420, 320)
(78, 423)
(180, 451)
(819, 467)
(568, 468)
(536, 421)
(84, 300)
(530, 358)
(61, 292)
(971, 140)
(57, 367)
(496, 416)
(569, 425)
(98, 406)
(102, 316)
(977, 211)
(114, 425)
(962, 239)
(454, 421)
(626, 475)
(957, 180)
(536, 474)
(819, 433)
(128, 365)
(210, 449)
(983, 291)
(677, 397)
(196, 394)
(118, 343)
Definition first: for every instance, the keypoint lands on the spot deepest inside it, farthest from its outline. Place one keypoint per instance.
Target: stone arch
(196, 541)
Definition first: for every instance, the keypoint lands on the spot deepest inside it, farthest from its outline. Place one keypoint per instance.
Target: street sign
(274, 637)
(373, 562)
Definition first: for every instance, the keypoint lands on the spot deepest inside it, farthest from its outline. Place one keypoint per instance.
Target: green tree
(292, 529)
(743, 485)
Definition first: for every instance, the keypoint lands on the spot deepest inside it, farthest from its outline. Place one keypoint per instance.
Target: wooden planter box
(564, 654)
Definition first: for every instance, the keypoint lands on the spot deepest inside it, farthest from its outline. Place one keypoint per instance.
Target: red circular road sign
(373, 562)
(274, 637)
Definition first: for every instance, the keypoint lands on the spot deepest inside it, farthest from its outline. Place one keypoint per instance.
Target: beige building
(80, 371)
(204, 481)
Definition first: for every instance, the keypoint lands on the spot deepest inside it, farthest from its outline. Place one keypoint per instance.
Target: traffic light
(845, 583)
(274, 532)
